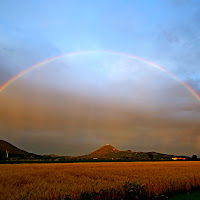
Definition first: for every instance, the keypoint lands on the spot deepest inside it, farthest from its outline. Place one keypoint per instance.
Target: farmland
(51, 181)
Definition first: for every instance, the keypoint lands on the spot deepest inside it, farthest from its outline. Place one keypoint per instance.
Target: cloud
(73, 106)
(18, 51)
(176, 46)
(60, 122)
(142, 109)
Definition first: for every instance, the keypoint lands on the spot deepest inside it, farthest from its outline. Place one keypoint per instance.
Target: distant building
(178, 158)
(7, 152)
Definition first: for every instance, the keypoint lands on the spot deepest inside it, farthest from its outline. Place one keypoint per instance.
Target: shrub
(130, 191)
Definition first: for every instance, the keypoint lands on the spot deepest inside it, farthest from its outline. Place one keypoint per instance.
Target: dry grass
(48, 181)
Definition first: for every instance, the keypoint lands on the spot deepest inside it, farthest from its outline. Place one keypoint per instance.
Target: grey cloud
(43, 121)
(155, 114)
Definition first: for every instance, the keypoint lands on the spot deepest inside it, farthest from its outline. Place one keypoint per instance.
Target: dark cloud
(156, 115)
(70, 123)
(71, 111)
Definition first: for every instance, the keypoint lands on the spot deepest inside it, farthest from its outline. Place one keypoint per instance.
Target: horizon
(97, 149)
(130, 76)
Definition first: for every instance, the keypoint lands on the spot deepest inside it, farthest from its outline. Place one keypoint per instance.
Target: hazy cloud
(76, 104)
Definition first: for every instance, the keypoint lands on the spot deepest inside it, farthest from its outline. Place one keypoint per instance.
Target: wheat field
(49, 181)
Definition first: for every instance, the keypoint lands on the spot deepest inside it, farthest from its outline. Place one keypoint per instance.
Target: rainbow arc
(49, 60)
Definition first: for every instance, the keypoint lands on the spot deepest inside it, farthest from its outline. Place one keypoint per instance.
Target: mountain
(107, 152)
(13, 151)
(51, 155)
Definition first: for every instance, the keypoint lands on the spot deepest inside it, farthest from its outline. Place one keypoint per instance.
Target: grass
(187, 196)
(54, 181)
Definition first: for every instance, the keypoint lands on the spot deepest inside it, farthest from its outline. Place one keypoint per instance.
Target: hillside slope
(13, 151)
(110, 152)
(107, 152)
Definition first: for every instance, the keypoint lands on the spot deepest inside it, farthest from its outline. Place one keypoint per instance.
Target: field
(49, 181)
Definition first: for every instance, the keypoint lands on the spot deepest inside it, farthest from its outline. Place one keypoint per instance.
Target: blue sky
(165, 32)
(162, 31)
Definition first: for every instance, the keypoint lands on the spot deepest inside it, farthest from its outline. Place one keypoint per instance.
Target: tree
(194, 157)
(151, 156)
(2, 156)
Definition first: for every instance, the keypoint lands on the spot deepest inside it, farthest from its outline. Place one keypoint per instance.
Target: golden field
(49, 181)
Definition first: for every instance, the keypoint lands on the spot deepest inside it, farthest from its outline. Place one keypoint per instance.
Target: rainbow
(44, 62)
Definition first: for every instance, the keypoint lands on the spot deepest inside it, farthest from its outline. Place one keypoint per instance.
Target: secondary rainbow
(44, 62)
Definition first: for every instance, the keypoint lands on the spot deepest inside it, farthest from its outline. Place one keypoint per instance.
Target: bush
(130, 191)
(134, 191)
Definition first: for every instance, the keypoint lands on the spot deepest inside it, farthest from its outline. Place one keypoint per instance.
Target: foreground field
(49, 181)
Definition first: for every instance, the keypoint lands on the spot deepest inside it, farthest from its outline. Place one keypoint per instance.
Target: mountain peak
(109, 147)
(105, 151)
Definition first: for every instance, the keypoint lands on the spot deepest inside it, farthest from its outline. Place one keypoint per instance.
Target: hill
(105, 151)
(14, 151)
(109, 152)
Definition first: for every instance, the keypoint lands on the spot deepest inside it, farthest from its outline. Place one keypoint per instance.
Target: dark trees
(194, 157)
(151, 156)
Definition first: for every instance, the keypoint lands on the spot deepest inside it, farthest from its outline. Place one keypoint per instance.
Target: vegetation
(194, 157)
(105, 153)
(98, 180)
(14, 152)
(130, 191)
